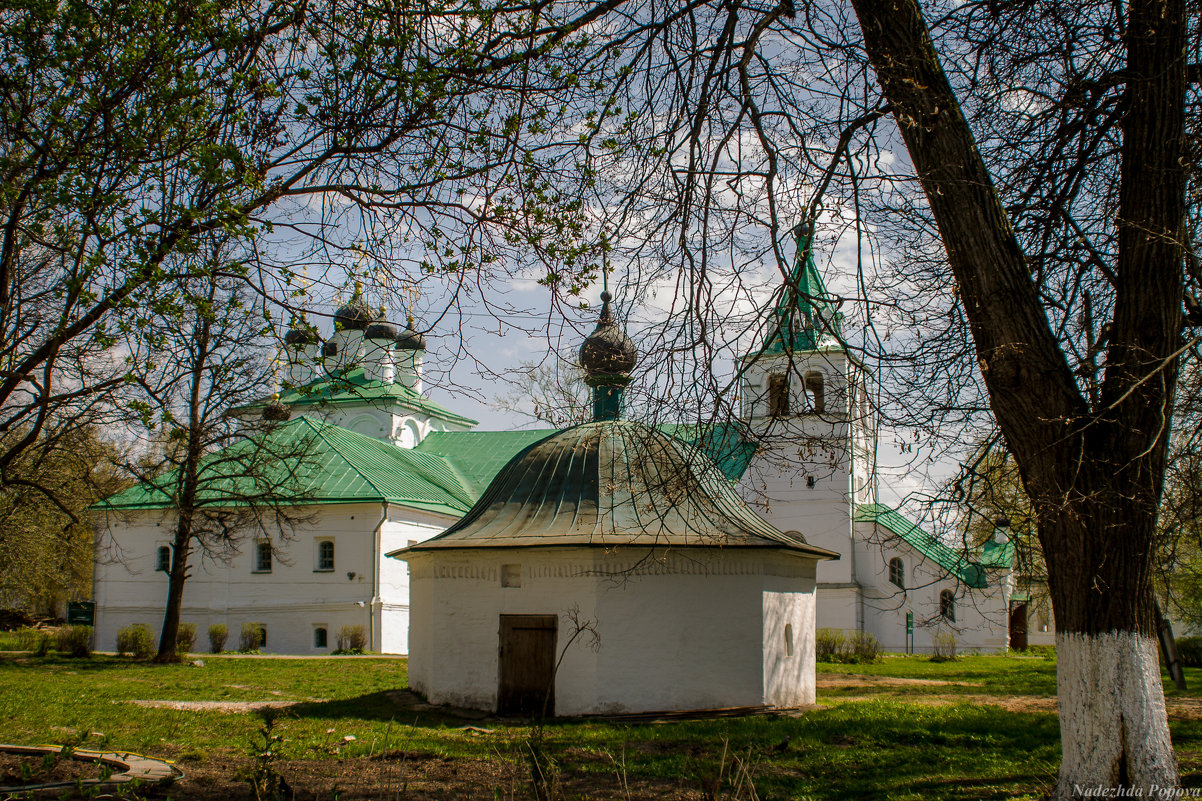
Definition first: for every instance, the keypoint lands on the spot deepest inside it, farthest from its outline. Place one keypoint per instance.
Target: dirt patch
(22, 769)
(1178, 708)
(414, 777)
(220, 706)
(834, 680)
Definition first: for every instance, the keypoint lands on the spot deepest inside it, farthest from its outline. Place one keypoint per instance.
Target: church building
(388, 469)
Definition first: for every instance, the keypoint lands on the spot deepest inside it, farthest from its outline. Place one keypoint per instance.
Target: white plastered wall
(290, 601)
(683, 632)
(981, 614)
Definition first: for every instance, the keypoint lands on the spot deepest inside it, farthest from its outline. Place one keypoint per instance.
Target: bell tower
(807, 402)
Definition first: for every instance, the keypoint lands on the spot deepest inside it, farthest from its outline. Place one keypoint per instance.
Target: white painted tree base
(1111, 711)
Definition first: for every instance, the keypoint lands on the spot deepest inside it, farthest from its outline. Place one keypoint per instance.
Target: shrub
(351, 640)
(136, 640)
(251, 638)
(865, 648)
(43, 644)
(829, 645)
(1045, 651)
(25, 639)
(74, 641)
(185, 638)
(1189, 651)
(218, 634)
(943, 646)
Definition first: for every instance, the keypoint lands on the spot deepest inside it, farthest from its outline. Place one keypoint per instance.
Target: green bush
(185, 638)
(943, 647)
(136, 640)
(865, 648)
(218, 634)
(351, 640)
(22, 639)
(1189, 651)
(43, 644)
(253, 638)
(74, 641)
(829, 645)
(848, 648)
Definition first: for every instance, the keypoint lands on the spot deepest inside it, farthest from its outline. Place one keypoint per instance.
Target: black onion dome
(381, 328)
(355, 314)
(410, 339)
(300, 337)
(608, 351)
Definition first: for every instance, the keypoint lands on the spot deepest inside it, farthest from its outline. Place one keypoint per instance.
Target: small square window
(263, 557)
(325, 555)
(511, 575)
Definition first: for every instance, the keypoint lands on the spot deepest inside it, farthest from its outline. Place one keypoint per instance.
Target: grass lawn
(905, 728)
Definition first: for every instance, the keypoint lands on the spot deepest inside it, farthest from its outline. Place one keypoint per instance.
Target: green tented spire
(806, 310)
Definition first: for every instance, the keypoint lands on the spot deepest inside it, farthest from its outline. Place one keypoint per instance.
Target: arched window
(778, 395)
(947, 606)
(163, 560)
(325, 555)
(321, 637)
(815, 387)
(788, 639)
(897, 572)
(263, 557)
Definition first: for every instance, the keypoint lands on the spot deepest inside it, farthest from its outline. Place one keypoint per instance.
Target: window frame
(814, 382)
(162, 565)
(325, 636)
(947, 605)
(260, 545)
(899, 565)
(778, 395)
(321, 564)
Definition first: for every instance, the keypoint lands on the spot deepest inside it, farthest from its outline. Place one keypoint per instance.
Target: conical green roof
(805, 311)
(613, 483)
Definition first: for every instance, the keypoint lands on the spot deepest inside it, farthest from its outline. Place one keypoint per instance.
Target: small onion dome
(381, 328)
(276, 411)
(329, 349)
(410, 339)
(355, 314)
(300, 337)
(607, 353)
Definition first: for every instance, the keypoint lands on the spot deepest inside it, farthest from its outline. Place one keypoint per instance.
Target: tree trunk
(175, 592)
(1094, 474)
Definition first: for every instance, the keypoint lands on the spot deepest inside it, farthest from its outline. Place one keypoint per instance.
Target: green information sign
(81, 613)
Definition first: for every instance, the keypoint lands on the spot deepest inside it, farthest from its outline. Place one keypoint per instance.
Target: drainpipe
(376, 603)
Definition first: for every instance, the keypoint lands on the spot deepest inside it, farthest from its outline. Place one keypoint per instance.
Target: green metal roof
(353, 387)
(316, 463)
(478, 455)
(997, 555)
(805, 311)
(954, 562)
(611, 484)
(724, 443)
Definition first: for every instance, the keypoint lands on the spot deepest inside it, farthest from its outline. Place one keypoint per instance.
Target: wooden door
(1018, 626)
(527, 665)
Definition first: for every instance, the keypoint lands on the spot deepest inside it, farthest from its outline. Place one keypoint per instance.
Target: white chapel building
(389, 469)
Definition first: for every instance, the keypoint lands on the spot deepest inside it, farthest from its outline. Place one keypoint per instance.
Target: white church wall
(404, 527)
(289, 600)
(684, 632)
(980, 613)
